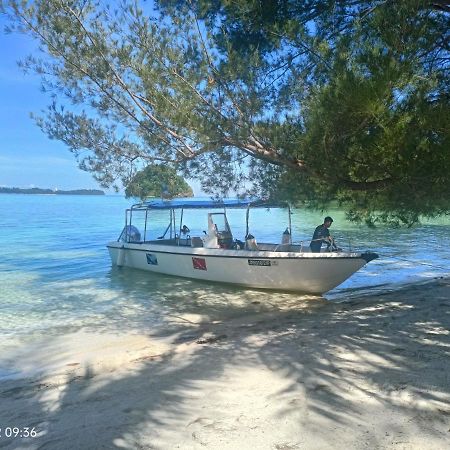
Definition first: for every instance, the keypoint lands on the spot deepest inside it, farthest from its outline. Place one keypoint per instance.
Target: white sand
(372, 373)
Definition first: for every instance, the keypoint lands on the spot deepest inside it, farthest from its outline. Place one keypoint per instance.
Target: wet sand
(373, 372)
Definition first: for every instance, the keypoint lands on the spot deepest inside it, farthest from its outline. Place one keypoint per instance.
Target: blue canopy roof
(193, 203)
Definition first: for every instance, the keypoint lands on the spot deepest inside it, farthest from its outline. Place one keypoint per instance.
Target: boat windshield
(220, 222)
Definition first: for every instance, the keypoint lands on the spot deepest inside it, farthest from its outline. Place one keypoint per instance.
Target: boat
(216, 255)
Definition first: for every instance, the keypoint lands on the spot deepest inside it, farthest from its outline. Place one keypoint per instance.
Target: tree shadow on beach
(325, 357)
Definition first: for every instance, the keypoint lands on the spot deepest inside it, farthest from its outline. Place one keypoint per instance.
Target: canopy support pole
(290, 224)
(145, 224)
(247, 216)
(181, 223)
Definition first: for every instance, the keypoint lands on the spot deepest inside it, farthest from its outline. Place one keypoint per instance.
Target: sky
(28, 158)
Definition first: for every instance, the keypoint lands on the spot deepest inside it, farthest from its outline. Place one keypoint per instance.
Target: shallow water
(56, 276)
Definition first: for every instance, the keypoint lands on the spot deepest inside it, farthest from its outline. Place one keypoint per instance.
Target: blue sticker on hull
(152, 259)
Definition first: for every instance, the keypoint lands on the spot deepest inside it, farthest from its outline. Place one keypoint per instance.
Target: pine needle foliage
(311, 102)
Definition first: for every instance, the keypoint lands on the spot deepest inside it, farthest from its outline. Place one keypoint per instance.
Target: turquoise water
(56, 277)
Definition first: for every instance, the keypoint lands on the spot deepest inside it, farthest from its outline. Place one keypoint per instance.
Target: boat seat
(196, 241)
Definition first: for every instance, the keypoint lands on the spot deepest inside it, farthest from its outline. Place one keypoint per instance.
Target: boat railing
(305, 247)
(285, 248)
(291, 247)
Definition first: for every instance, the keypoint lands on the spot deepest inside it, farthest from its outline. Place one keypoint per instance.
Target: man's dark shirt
(320, 232)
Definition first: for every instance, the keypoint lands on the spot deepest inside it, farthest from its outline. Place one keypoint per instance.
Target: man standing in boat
(321, 234)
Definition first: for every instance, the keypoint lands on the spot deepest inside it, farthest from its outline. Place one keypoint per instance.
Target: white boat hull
(288, 271)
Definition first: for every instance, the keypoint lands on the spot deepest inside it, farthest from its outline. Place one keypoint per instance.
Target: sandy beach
(370, 373)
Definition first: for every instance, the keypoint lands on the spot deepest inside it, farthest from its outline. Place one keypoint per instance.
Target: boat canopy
(196, 204)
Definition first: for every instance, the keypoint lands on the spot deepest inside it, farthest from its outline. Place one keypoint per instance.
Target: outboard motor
(130, 234)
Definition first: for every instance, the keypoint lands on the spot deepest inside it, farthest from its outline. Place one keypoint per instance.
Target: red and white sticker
(199, 263)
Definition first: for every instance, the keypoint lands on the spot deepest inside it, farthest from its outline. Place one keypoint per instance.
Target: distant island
(5, 190)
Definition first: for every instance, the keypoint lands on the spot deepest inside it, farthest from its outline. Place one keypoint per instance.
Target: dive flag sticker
(199, 263)
(152, 259)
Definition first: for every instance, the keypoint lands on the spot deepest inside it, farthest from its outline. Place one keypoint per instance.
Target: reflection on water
(146, 299)
(200, 297)
(55, 272)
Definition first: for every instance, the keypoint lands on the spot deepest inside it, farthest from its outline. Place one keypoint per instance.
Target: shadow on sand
(267, 370)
